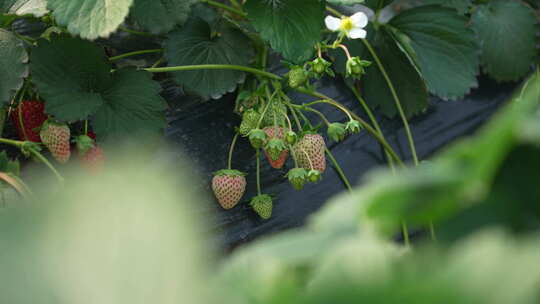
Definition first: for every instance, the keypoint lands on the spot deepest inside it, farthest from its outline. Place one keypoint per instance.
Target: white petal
(332, 23)
(359, 20)
(356, 33)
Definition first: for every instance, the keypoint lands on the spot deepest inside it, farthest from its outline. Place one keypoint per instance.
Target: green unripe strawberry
(257, 137)
(275, 110)
(250, 119)
(297, 177)
(291, 137)
(274, 147)
(321, 66)
(262, 205)
(297, 76)
(314, 176)
(353, 126)
(355, 67)
(336, 131)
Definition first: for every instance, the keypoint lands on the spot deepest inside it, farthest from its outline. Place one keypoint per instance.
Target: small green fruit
(257, 137)
(314, 176)
(336, 131)
(262, 205)
(291, 137)
(297, 177)
(353, 126)
(297, 77)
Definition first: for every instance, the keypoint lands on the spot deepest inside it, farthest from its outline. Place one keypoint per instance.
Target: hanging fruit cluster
(267, 122)
(34, 126)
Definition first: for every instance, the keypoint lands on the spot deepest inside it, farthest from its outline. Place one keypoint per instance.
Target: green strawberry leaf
(410, 87)
(7, 165)
(90, 19)
(70, 74)
(131, 104)
(160, 16)
(506, 31)
(13, 60)
(74, 78)
(38, 8)
(462, 6)
(199, 42)
(292, 27)
(443, 47)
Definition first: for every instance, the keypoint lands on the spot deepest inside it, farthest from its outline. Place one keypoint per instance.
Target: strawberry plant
(68, 78)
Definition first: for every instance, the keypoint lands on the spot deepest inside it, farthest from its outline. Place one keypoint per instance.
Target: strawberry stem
(366, 126)
(20, 114)
(364, 105)
(273, 76)
(396, 99)
(321, 115)
(135, 53)
(231, 149)
(258, 172)
(20, 144)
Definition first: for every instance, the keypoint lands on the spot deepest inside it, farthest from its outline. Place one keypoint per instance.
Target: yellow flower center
(346, 24)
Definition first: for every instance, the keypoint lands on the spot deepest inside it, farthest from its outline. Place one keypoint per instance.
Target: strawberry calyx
(84, 143)
(229, 172)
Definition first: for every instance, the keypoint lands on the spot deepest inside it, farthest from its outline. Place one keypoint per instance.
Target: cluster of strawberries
(278, 141)
(33, 124)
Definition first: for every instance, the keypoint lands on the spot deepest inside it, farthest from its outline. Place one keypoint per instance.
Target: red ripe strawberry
(32, 114)
(313, 145)
(229, 187)
(276, 159)
(56, 136)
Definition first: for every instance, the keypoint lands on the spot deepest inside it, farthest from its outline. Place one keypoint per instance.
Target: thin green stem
(321, 115)
(308, 158)
(341, 108)
(86, 127)
(225, 7)
(158, 62)
(26, 39)
(258, 172)
(366, 126)
(338, 169)
(12, 142)
(20, 145)
(20, 116)
(396, 99)
(334, 11)
(48, 164)
(214, 67)
(276, 77)
(135, 53)
(375, 123)
(287, 101)
(405, 231)
(236, 4)
(134, 32)
(432, 231)
(231, 149)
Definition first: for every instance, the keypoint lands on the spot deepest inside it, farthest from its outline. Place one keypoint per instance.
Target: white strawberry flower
(352, 27)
